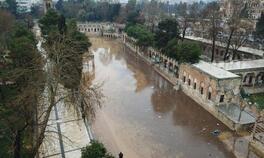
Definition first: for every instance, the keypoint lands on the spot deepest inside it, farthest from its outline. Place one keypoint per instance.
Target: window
(194, 83)
(201, 90)
(250, 79)
(222, 53)
(245, 79)
(209, 95)
(189, 82)
(222, 98)
(184, 78)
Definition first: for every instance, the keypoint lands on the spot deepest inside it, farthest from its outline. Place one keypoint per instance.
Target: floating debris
(216, 132)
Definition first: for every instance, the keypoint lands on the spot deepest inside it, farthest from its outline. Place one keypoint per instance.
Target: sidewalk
(66, 134)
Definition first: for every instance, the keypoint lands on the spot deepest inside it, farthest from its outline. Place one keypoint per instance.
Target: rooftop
(214, 71)
(220, 44)
(241, 65)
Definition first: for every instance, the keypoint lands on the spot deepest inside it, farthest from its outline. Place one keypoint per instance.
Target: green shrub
(95, 150)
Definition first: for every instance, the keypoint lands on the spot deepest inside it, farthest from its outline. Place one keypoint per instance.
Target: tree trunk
(184, 29)
(234, 54)
(183, 33)
(45, 122)
(152, 28)
(228, 44)
(17, 145)
(213, 49)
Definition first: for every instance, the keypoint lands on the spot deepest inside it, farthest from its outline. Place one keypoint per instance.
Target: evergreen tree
(167, 30)
(244, 12)
(59, 6)
(12, 6)
(260, 26)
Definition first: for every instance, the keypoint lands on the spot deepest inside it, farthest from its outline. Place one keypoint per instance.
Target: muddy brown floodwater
(143, 116)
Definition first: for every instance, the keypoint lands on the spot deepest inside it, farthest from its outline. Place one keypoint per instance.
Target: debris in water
(159, 116)
(216, 132)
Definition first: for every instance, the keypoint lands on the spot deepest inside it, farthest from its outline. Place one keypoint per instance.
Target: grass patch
(259, 99)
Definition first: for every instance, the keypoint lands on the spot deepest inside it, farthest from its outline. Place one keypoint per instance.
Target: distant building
(253, 7)
(47, 5)
(251, 72)
(243, 53)
(109, 1)
(24, 6)
(256, 7)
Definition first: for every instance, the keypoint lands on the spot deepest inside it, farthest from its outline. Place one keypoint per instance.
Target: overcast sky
(125, 1)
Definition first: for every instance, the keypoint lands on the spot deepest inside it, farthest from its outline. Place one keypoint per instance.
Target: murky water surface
(143, 116)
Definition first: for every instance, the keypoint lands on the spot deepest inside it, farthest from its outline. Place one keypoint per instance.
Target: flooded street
(143, 116)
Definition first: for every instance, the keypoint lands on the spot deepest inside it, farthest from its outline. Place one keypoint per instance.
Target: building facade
(253, 7)
(243, 53)
(251, 72)
(24, 6)
(210, 83)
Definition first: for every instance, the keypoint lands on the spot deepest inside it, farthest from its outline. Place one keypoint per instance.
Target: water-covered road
(143, 116)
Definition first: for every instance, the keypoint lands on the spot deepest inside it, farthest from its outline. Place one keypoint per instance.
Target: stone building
(90, 28)
(251, 72)
(100, 29)
(244, 53)
(254, 8)
(217, 91)
(210, 83)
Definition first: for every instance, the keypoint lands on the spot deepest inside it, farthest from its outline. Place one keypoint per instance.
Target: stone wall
(110, 30)
(215, 92)
(220, 52)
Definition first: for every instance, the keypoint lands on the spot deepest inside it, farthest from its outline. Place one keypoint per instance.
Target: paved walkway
(66, 134)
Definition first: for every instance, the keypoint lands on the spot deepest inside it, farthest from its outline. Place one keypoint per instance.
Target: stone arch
(201, 88)
(184, 77)
(195, 83)
(161, 59)
(170, 66)
(165, 62)
(189, 80)
(176, 69)
(209, 93)
(249, 79)
(260, 78)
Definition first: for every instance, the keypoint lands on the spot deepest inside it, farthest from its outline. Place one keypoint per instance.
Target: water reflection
(143, 116)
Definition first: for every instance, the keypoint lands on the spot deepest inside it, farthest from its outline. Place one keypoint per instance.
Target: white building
(254, 7)
(24, 6)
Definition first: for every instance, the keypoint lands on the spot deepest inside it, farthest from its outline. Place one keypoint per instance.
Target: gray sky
(124, 1)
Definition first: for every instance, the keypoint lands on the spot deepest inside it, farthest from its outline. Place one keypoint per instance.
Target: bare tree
(212, 13)
(6, 22)
(233, 25)
(82, 97)
(240, 38)
(152, 13)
